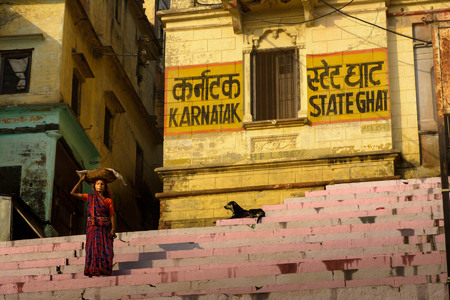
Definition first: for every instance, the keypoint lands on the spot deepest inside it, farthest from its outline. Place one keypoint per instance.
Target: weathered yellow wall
(199, 211)
(130, 126)
(212, 157)
(122, 34)
(215, 42)
(29, 25)
(402, 78)
(57, 29)
(339, 134)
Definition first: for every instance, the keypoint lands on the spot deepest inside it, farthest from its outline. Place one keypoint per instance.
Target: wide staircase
(370, 240)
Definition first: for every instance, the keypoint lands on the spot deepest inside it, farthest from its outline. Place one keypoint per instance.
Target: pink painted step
(381, 201)
(278, 265)
(361, 196)
(257, 269)
(248, 235)
(393, 282)
(345, 207)
(51, 247)
(352, 217)
(383, 183)
(359, 216)
(374, 189)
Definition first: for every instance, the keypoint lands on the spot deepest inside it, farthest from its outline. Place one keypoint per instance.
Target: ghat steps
(379, 240)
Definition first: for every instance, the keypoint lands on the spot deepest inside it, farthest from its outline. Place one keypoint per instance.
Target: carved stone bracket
(308, 10)
(234, 7)
(259, 33)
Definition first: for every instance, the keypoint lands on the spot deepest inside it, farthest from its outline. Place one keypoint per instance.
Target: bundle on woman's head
(108, 175)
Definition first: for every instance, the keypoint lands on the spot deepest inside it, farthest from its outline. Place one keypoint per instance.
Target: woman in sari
(100, 232)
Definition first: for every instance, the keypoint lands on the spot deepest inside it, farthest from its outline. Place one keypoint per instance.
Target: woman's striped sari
(99, 246)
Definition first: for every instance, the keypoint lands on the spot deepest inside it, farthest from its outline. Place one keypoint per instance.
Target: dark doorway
(67, 212)
(10, 178)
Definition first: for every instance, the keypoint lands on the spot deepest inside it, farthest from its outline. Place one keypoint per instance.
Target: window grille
(275, 84)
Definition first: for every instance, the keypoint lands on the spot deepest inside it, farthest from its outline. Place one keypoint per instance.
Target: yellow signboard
(348, 86)
(203, 98)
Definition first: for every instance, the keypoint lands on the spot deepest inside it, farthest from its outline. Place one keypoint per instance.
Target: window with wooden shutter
(108, 129)
(15, 71)
(76, 95)
(275, 80)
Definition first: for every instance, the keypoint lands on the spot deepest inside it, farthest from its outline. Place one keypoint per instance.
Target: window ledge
(270, 124)
(21, 36)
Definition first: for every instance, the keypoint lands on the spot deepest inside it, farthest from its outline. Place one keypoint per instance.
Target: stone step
(390, 288)
(389, 236)
(383, 183)
(182, 241)
(261, 274)
(410, 235)
(373, 189)
(398, 207)
(363, 216)
(362, 196)
(62, 244)
(374, 202)
(324, 239)
(318, 219)
(32, 245)
(308, 264)
(434, 258)
(411, 243)
(268, 252)
(422, 238)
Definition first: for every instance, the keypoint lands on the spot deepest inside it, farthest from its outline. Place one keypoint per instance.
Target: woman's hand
(112, 234)
(75, 188)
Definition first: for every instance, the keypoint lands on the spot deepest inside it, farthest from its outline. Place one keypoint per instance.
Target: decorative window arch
(273, 73)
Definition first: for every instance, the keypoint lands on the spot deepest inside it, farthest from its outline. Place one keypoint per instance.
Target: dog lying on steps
(239, 212)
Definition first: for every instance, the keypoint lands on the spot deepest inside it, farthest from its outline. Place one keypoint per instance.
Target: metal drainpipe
(443, 146)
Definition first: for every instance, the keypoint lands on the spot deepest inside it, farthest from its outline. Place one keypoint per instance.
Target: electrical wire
(339, 10)
(206, 4)
(375, 25)
(274, 22)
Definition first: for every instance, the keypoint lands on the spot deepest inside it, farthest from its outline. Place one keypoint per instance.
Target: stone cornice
(298, 185)
(226, 10)
(193, 13)
(324, 159)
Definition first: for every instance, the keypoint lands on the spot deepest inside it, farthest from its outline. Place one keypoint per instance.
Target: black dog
(239, 212)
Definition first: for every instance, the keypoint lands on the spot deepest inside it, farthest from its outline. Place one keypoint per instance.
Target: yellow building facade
(96, 65)
(267, 99)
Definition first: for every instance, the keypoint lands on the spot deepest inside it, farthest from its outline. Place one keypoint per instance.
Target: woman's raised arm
(75, 188)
